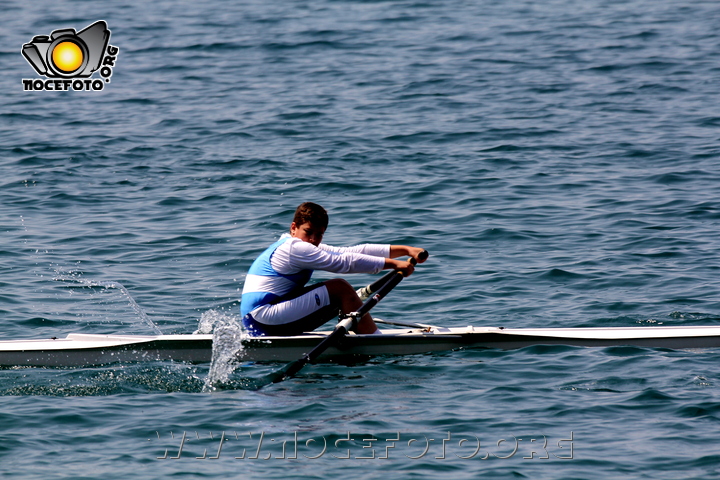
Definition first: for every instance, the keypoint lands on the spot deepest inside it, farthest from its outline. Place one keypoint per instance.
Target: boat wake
(103, 380)
(228, 335)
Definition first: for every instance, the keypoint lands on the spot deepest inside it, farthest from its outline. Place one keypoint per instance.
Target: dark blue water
(558, 159)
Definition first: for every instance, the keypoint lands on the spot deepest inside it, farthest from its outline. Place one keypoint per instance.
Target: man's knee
(338, 287)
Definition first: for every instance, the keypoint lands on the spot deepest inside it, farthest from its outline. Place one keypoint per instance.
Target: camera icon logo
(66, 53)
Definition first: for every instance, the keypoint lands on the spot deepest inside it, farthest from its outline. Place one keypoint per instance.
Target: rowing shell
(78, 350)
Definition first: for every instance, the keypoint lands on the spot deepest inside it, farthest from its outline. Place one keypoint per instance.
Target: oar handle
(365, 292)
(422, 256)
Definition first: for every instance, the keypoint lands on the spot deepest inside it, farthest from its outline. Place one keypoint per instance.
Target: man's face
(307, 232)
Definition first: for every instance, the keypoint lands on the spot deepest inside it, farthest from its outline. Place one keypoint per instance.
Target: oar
(342, 328)
(365, 292)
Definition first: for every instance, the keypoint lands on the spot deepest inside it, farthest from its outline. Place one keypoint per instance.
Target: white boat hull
(78, 350)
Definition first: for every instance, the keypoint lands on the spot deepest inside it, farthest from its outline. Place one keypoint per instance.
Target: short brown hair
(309, 212)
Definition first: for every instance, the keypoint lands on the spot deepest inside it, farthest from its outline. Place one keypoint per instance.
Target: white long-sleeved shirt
(295, 255)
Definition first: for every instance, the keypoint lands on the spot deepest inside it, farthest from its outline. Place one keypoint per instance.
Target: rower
(275, 298)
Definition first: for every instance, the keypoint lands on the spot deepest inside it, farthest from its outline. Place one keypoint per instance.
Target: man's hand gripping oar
(365, 292)
(346, 323)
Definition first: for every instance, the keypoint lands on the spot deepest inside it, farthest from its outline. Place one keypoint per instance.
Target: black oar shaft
(379, 294)
(342, 328)
(365, 292)
(291, 369)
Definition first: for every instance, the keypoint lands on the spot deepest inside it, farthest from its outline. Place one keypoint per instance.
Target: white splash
(228, 336)
(111, 284)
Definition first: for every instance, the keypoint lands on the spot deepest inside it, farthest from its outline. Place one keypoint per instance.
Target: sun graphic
(67, 56)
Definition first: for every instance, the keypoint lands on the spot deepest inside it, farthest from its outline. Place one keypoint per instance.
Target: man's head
(309, 223)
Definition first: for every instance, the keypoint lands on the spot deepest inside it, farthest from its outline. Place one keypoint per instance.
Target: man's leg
(342, 293)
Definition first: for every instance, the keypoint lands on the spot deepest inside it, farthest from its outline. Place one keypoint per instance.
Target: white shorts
(304, 313)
